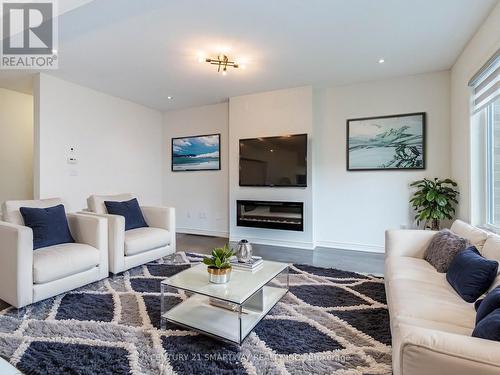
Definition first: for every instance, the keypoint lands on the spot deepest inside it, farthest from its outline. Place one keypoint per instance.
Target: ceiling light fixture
(381, 61)
(170, 97)
(222, 62)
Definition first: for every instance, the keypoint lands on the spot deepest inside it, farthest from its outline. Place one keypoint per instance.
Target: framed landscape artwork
(394, 142)
(196, 153)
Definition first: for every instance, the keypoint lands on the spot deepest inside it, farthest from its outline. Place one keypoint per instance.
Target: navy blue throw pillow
(478, 303)
(490, 303)
(489, 327)
(470, 274)
(49, 225)
(130, 210)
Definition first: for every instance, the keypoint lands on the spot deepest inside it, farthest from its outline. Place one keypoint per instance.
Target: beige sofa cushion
(11, 213)
(491, 250)
(96, 204)
(429, 301)
(476, 236)
(144, 239)
(412, 269)
(55, 262)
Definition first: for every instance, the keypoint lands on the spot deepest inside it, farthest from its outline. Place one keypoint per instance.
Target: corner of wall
(36, 136)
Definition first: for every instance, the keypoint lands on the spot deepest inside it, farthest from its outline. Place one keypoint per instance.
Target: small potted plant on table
(219, 265)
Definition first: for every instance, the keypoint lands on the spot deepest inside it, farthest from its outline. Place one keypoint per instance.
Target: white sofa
(128, 249)
(28, 276)
(431, 324)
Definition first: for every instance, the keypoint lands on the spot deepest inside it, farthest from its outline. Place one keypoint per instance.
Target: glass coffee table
(225, 311)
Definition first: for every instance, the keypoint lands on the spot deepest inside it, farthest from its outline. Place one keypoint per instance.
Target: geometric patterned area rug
(330, 322)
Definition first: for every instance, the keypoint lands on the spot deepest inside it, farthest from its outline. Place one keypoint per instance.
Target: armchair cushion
(55, 262)
(96, 204)
(49, 225)
(144, 239)
(130, 210)
(11, 213)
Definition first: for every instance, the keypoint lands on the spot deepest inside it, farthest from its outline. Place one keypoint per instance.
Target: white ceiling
(147, 50)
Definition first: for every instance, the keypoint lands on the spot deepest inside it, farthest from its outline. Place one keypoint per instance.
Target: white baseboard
(295, 244)
(272, 242)
(351, 246)
(203, 232)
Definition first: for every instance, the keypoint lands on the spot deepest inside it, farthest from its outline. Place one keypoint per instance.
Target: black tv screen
(274, 161)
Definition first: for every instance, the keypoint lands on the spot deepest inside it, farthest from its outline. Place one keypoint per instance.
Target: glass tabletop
(243, 284)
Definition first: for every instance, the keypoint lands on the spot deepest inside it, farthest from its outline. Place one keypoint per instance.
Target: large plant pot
(219, 275)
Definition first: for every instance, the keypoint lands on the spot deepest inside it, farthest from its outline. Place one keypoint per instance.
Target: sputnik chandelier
(222, 62)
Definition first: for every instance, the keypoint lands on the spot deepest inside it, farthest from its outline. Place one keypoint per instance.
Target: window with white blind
(486, 114)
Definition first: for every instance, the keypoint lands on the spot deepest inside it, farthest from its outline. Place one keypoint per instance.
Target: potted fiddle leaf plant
(434, 201)
(219, 265)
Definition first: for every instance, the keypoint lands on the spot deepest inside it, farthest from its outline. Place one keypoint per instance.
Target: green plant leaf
(431, 195)
(441, 200)
(208, 261)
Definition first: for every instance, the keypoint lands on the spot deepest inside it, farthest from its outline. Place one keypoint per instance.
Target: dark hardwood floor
(357, 261)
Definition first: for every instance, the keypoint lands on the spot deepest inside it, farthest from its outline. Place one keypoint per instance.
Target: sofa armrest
(16, 264)
(407, 243)
(432, 352)
(160, 217)
(116, 240)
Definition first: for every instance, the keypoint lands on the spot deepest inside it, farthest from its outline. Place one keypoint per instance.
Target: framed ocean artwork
(395, 142)
(196, 153)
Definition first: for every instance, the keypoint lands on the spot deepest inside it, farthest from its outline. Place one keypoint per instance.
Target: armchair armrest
(116, 239)
(16, 264)
(160, 217)
(93, 231)
(90, 230)
(407, 242)
(432, 352)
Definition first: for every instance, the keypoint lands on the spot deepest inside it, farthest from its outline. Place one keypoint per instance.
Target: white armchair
(28, 276)
(128, 249)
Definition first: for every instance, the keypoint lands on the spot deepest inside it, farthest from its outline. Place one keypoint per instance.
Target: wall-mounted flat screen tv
(274, 161)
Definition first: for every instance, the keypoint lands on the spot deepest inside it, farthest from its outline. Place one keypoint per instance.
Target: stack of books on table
(252, 265)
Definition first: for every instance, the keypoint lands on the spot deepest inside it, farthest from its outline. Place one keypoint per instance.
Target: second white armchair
(131, 248)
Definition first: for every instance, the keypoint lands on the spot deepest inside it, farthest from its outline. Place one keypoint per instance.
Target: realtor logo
(29, 35)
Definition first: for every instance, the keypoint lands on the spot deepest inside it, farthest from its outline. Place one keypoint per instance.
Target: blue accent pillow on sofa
(489, 304)
(470, 274)
(49, 225)
(130, 210)
(489, 327)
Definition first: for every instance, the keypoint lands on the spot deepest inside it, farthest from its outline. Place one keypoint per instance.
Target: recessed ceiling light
(381, 61)
(170, 97)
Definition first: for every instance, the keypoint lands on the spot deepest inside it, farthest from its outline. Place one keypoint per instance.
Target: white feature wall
(478, 51)
(200, 197)
(118, 144)
(16, 145)
(352, 210)
(271, 114)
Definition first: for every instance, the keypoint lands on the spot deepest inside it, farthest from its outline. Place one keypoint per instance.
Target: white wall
(16, 145)
(118, 144)
(269, 114)
(480, 48)
(200, 197)
(353, 209)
